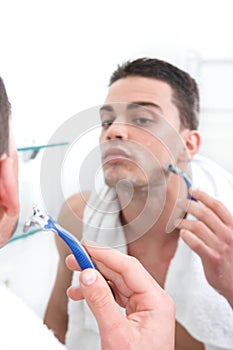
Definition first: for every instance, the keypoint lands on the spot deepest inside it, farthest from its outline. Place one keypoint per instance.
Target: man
(149, 118)
(9, 209)
(20, 327)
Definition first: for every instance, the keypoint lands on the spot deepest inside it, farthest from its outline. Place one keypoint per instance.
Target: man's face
(140, 131)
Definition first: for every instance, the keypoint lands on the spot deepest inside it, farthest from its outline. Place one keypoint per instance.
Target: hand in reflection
(211, 237)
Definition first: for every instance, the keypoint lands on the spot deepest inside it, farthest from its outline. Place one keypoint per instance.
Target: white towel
(200, 309)
(105, 229)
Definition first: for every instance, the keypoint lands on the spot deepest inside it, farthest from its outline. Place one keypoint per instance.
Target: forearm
(56, 319)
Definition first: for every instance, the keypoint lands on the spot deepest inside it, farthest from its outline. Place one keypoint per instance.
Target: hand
(150, 313)
(211, 237)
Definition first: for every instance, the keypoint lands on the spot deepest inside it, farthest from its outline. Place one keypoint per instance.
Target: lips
(116, 154)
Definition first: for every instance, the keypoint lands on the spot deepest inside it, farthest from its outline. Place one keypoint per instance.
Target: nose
(117, 130)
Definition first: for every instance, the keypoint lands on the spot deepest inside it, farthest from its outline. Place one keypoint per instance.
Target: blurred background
(56, 58)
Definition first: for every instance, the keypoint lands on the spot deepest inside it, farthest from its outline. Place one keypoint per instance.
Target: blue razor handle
(47, 223)
(81, 255)
(189, 185)
(181, 173)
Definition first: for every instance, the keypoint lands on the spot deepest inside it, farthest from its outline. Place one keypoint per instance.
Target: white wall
(56, 57)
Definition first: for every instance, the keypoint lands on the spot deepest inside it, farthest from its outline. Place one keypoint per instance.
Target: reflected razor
(171, 168)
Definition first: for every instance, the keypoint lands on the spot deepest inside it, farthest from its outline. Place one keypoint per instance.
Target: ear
(192, 141)
(9, 198)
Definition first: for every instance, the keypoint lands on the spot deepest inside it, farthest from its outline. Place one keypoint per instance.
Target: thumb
(99, 298)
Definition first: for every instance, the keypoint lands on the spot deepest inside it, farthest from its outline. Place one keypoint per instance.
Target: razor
(171, 168)
(46, 223)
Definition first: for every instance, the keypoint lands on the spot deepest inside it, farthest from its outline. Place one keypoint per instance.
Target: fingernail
(182, 231)
(88, 277)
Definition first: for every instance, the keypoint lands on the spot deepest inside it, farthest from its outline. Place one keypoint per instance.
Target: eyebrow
(138, 104)
(107, 108)
(132, 105)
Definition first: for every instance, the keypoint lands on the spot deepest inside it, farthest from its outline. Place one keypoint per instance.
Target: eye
(143, 121)
(106, 123)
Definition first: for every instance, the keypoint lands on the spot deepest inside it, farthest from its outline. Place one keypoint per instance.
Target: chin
(114, 178)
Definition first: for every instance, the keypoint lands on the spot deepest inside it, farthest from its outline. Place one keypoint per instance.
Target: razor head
(173, 169)
(36, 217)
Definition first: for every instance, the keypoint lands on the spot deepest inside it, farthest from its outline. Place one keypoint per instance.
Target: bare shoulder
(71, 217)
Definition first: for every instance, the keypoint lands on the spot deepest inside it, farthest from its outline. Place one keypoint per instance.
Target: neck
(152, 211)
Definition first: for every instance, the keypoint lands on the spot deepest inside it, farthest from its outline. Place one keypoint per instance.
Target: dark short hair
(5, 109)
(185, 89)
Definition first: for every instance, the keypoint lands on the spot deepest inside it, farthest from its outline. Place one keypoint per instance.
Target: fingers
(212, 216)
(113, 264)
(201, 231)
(71, 263)
(121, 269)
(197, 244)
(206, 216)
(75, 293)
(215, 205)
(100, 300)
